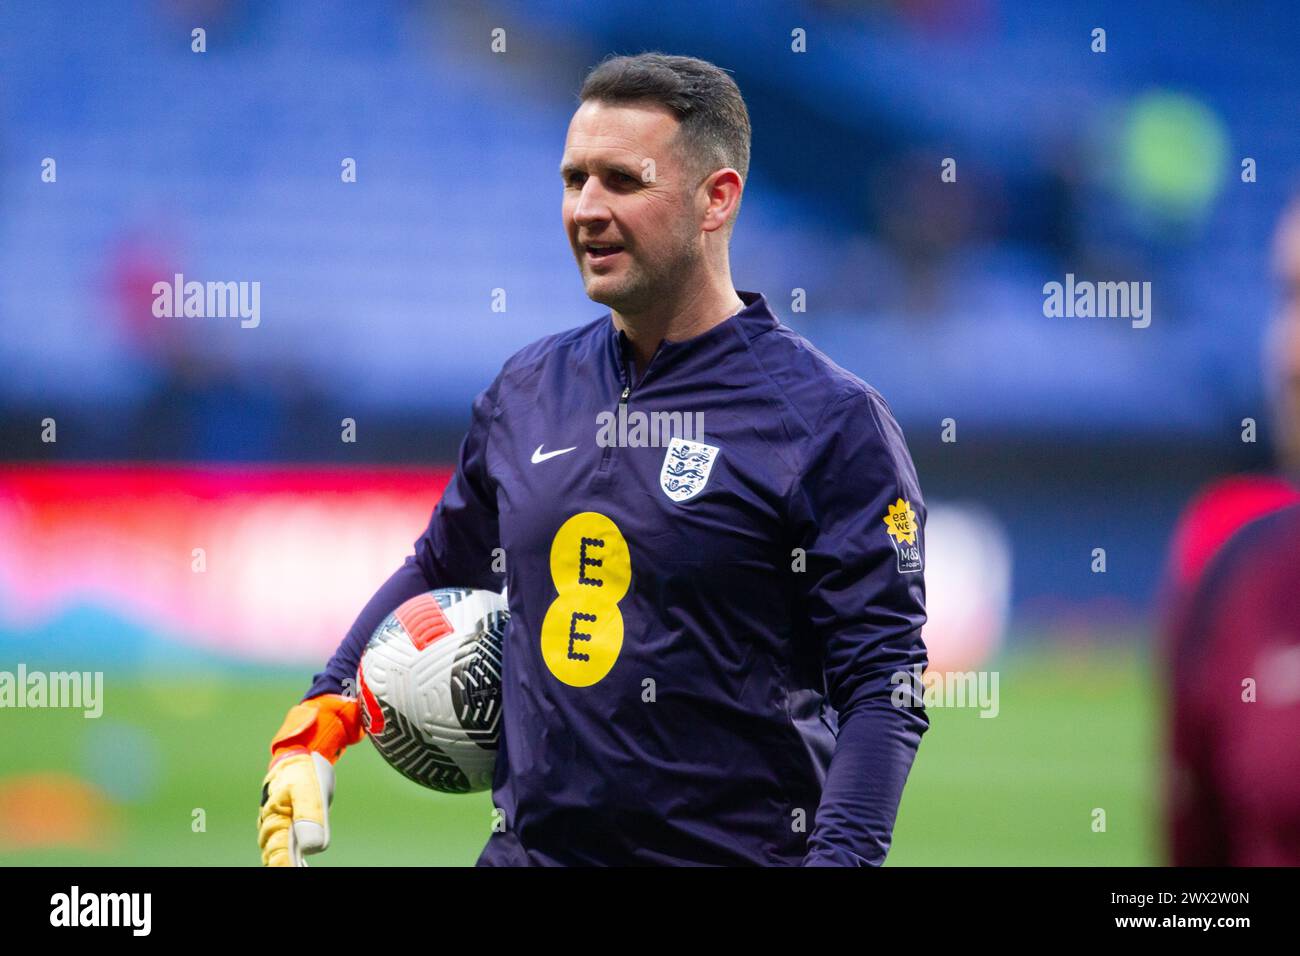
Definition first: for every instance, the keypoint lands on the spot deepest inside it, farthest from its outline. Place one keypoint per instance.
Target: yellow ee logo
(582, 633)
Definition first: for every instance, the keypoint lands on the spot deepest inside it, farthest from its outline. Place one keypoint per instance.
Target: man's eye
(619, 179)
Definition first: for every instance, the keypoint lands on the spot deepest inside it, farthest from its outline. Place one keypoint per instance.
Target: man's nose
(592, 205)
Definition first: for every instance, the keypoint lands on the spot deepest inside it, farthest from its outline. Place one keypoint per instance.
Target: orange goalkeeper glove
(299, 785)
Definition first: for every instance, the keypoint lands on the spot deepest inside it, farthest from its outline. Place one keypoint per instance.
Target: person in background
(1231, 635)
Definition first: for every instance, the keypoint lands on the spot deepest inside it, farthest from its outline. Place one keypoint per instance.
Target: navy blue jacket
(713, 633)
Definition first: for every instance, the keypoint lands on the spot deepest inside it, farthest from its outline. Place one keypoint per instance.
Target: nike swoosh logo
(538, 457)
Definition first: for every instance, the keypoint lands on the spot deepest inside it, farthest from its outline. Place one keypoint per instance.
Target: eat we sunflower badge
(903, 529)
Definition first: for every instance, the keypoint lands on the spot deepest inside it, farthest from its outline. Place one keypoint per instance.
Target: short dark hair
(714, 131)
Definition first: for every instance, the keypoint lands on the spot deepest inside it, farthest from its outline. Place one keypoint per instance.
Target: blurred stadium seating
(377, 295)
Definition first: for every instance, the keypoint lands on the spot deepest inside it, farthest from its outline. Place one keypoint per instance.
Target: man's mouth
(599, 251)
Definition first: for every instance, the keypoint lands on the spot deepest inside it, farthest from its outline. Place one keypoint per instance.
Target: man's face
(626, 187)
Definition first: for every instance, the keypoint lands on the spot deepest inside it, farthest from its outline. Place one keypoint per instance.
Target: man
(1217, 621)
(712, 637)
(1235, 707)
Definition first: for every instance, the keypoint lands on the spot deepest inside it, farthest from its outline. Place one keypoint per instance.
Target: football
(430, 688)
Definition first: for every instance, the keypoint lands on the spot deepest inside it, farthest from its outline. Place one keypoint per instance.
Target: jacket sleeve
(454, 551)
(859, 517)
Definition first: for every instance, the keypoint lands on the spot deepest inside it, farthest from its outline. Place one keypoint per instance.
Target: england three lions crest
(686, 468)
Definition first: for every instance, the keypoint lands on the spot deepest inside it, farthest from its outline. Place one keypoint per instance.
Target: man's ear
(722, 190)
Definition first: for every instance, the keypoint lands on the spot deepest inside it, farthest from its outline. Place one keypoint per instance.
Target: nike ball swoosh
(538, 457)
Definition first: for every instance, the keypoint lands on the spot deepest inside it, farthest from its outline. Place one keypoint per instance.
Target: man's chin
(605, 291)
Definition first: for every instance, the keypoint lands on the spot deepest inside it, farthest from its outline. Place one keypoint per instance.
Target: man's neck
(688, 319)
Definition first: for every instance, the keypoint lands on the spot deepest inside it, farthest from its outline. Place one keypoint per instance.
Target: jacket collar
(709, 346)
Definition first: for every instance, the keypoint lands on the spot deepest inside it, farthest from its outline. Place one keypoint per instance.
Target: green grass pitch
(1076, 732)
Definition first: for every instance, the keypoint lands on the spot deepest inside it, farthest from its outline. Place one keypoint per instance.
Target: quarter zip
(608, 453)
(620, 409)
